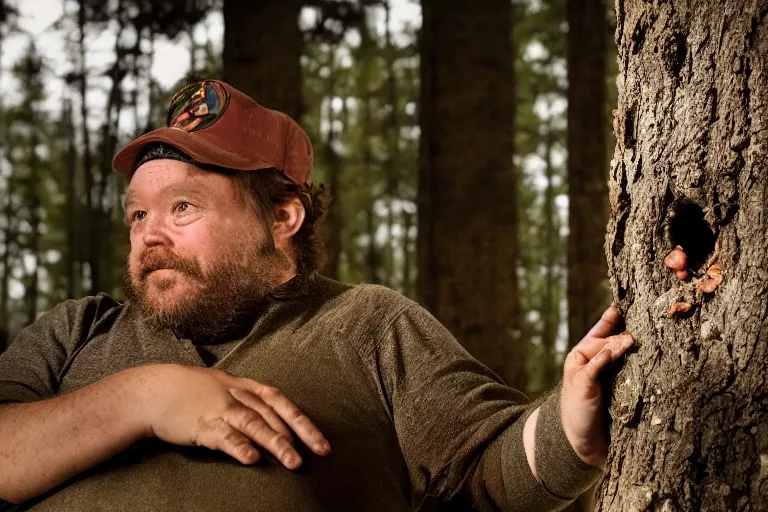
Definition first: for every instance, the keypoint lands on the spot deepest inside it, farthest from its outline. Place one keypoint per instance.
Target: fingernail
(324, 448)
(291, 460)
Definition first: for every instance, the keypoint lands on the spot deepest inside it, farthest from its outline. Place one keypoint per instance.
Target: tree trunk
(92, 232)
(550, 298)
(407, 251)
(70, 202)
(690, 406)
(334, 224)
(9, 238)
(587, 175)
(33, 204)
(262, 52)
(108, 182)
(467, 199)
(366, 59)
(392, 164)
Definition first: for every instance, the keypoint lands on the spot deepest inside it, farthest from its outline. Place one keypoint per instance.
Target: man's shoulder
(373, 298)
(76, 318)
(92, 307)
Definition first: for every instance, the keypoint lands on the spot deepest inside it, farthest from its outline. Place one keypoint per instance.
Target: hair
(267, 188)
(264, 190)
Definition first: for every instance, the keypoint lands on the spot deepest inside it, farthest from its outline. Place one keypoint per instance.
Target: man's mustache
(157, 260)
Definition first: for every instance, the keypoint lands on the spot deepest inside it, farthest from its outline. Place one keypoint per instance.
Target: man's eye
(182, 207)
(139, 215)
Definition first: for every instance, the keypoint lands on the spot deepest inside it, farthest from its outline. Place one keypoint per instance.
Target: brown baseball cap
(215, 124)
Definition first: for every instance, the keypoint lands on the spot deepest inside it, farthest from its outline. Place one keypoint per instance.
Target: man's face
(200, 257)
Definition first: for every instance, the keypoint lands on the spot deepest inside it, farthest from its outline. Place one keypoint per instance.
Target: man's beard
(226, 299)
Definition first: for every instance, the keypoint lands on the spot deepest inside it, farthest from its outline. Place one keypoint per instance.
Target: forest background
(81, 78)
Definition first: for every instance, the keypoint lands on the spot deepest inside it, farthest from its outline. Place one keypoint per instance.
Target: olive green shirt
(408, 412)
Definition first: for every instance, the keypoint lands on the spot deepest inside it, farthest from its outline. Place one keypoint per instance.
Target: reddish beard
(227, 297)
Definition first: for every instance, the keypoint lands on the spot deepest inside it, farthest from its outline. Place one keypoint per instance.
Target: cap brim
(203, 147)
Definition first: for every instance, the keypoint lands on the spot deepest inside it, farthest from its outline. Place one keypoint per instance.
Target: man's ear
(289, 217)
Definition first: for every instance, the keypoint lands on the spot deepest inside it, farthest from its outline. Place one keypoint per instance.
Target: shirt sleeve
(32, 366)
(461, 429)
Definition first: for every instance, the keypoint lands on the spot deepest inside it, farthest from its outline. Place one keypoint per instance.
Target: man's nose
(155, 231)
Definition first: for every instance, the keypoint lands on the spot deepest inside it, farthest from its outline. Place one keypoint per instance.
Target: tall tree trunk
(9, 238)
(392, 164)
(334, 224)
(262, 52)
(106, 204)
(407, 254)
(91, 230)
(550, 299)
(690, 406)
(467, 198)
(587, 175)
(70, 202)
(33, 203)
(366, 58)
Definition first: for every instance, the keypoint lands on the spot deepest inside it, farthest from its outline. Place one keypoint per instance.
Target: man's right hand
(206, 407)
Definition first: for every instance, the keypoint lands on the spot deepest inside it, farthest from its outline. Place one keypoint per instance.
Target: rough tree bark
(690, 406)
(262, 52)
(467, 245)
(587, 175)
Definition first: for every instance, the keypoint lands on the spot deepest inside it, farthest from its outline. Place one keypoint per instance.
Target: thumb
(591, 371)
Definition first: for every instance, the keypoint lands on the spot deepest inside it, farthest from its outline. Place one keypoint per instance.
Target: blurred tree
(346, 50)
(27, 157)
(587, 173)
(539, 136)
(8, 15)
(335, 220)
(262, 52)
(467, 183)
(552, 294)
(71, 202)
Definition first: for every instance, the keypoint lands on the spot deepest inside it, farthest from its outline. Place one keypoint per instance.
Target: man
(232, 368)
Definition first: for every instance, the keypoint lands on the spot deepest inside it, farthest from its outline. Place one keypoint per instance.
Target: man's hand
(582, 398)
(205, 407)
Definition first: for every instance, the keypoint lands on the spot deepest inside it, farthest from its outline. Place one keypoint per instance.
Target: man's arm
(466, 436)
(581, 400)
(44, 443)
(46, 439)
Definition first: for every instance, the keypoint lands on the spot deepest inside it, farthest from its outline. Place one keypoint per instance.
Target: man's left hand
(582, 395)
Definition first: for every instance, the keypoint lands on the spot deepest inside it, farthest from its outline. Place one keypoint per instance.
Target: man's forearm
(42, 444)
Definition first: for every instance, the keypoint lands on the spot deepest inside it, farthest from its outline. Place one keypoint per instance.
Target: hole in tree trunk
(688, 229)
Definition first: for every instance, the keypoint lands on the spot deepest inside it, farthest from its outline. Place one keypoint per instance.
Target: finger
(606, 325)
(613, 350)
(292, 415)
(589, 347)
(219, 435)
(250, 400)
(596, 365)
(254, 426)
